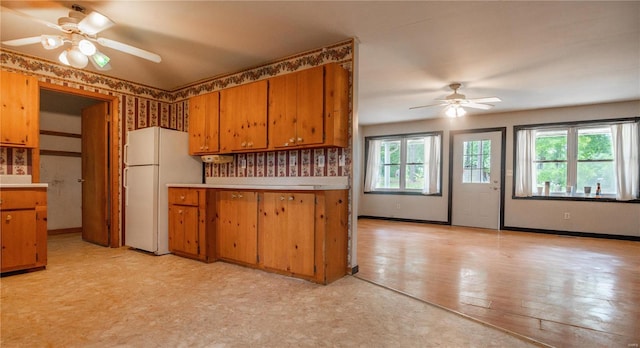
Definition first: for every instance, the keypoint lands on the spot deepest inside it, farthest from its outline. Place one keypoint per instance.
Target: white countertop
(35, 185)
(273, 183)
(265, 187)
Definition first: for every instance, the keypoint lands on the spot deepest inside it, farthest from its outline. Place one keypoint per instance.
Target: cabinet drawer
(183, 196)
(22, 198)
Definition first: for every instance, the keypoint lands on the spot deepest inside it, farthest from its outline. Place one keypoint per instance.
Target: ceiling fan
(80, 30)
(455, 102)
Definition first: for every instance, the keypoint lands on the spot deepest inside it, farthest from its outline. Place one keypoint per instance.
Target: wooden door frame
(503, 139)
(113, 175)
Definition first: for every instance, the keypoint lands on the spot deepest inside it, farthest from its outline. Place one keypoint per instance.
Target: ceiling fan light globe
(100, 59)
(63, 58)
(76, 58)
(50, 42)
(455, 111)
(87, 47)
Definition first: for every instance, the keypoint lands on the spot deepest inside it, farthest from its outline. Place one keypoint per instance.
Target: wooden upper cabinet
(243, 118)
(19, 124)
(296, 110)
(309, 108)
(203, 124)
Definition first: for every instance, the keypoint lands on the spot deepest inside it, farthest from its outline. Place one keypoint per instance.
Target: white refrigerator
(154, 157)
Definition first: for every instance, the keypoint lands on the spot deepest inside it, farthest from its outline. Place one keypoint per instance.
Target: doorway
(477, 178)
(63, 157)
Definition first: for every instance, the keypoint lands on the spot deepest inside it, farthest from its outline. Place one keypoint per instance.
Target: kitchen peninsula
(292, 226)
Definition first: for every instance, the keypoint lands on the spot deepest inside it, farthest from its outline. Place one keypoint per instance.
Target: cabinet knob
(182, 197)
(9, 218)
(243, 144)
(291, 198)
(282, 198)
(202, 147)
(291, 140)
(240, 196)
(250, 144)
(234, 196)
(180, 211)
(299, 140)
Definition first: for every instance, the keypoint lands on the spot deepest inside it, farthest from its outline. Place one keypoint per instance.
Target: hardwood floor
(562, 291)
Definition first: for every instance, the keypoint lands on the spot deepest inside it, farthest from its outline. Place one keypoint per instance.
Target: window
(575, 158)
(476, 161)
(404, 163)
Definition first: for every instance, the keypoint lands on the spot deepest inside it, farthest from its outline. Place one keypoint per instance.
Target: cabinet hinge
(314, 269)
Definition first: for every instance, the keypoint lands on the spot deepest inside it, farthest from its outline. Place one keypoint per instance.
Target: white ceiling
(530, 54)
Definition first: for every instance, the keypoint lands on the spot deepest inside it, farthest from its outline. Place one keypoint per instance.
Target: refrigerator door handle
(126, 187)
(126, 153)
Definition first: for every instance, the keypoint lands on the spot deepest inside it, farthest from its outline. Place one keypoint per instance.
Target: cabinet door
(243, 117)
(310, 110)
(183, 229)
(19, 124)
(274, 234)
(203, 123)
(19, 241)
(288, 232)
(237, 226)
(230, 119)
(282, 110)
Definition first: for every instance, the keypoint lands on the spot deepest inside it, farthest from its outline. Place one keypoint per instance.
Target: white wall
(589, 217)
(64, 195)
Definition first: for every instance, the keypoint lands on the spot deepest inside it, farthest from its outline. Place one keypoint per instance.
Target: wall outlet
(567, 216)
(341, 161)
(321, 161)
(293, 160)
(243, 163)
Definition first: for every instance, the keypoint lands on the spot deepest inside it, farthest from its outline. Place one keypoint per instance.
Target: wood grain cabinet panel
(243, 118)
(204, 117)
(287, 232)
(19, 98)
(237, 226)
(23, 231)
(191, 229)
(309, 108)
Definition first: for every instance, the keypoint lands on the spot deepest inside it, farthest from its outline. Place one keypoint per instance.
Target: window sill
(576, 197)
(402, 193)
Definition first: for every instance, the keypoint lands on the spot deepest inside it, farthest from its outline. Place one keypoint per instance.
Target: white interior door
(476, 176)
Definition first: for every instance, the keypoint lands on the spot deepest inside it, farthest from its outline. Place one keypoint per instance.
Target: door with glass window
(476, 179)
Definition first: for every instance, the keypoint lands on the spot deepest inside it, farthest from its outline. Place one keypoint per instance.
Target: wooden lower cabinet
(23, 233)
(191, 234)
(287, 232)
(237, 227)
(304, 234)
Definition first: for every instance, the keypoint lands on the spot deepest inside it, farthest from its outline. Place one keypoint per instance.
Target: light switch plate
(243, 163)
(341, 161)
(321, 161)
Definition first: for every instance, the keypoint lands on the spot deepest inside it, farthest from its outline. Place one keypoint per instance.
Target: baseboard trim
(65, 230)
(574, 234)
(403, 220)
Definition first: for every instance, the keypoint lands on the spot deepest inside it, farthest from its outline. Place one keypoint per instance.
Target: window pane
(414, 178)
(476, 161)
(555, 173)
(390, 152)
(551, 145)
(415, 150)
(388, 177)
(591, 173)
(595, 144)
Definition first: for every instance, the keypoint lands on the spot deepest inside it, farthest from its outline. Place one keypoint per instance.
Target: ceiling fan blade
(23, 41)
(35, 19)
(129, 49)
(426, 106)
(94, 23)
(476, 105)
(485, 100)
